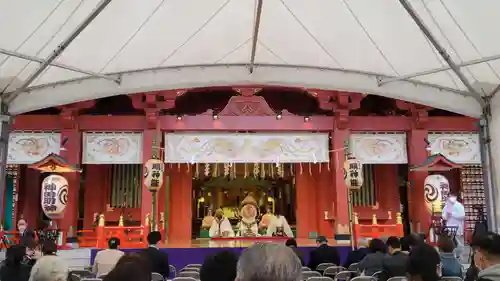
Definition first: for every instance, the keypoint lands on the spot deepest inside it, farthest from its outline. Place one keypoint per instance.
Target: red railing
(376, 230)
(130, 236)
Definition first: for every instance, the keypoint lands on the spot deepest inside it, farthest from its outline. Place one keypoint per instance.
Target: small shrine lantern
(353, 173)
(153, 174)
(55, 186)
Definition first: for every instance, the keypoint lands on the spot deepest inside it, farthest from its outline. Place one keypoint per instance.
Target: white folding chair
(377, 274)
(172, 270)
(193, 274)
(398, 278)
(184, 279)
(308, 274)
(364, 278)
(157, 277)
(323, 266)
(353, 267)
(197, 265)
(305, 268)
(331, 271)
(345, 275)
(193, 269)
(320, 278)
(91, 279)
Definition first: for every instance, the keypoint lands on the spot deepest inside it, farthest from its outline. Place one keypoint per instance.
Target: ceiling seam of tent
(34, 31)
(163, 61)
(467, 37)
(41, 49)
(273, 52)
(134, 34)
(233, 50)
(367, 34)
(455, 51)
(332, 57)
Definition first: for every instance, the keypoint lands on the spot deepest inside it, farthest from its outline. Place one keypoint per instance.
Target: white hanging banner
(29, 147)
(459, 148)
(246, 148)
(112, 148)
(379, 148)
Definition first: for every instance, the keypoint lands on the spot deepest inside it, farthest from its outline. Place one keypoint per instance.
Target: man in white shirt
(454, 215)
(106, 260)
(221, 227)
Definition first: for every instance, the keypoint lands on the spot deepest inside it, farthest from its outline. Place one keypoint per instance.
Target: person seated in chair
(357, 254)
(323, 254)
(106, 260)
(394, 264)
(157, 259)
(372, 263)
(450, 265)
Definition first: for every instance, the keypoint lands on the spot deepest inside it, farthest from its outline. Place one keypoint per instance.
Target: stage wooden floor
(207, 243)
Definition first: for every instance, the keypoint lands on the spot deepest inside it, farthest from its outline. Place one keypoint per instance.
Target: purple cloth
(180, 257)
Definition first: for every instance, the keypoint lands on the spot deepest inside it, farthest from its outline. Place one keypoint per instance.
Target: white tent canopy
(354, 45)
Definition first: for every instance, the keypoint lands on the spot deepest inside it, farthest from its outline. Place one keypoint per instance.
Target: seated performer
(279, 227)
(221, 227)
(248, 227)
(266, 220)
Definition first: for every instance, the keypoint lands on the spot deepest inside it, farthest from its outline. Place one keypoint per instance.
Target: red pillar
(71, 153)
(338, 137)
(305, 201)
(180, 206)
(417, 154)
(324, 199)
(30, 194)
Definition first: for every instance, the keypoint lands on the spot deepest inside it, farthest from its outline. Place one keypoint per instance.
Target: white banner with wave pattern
(246, 148)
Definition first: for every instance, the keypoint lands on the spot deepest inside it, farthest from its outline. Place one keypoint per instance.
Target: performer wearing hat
(248, 211)
(221, 227)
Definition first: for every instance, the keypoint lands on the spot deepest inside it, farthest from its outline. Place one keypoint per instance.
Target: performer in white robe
(279, 227)
(454, 215)
(221, 227)
(248, 226)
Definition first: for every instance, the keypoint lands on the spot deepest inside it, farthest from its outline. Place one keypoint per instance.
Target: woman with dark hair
(450, 266)
(13, 268)
(372, 263)
(130, 267)
(424, 263)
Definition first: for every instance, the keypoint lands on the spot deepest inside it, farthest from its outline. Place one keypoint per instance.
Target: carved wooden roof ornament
(53, 163)
(435, 163)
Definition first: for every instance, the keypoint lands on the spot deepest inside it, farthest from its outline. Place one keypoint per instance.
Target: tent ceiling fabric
(330, 44)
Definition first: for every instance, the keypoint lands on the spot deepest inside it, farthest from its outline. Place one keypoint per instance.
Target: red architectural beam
(243, 123)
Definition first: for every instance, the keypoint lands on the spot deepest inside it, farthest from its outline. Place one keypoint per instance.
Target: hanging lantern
(54, 196)
(434, 185)
(153, 174)
(353, 173)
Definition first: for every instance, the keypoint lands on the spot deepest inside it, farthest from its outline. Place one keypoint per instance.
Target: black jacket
(26, 237)
(158, 261)
(12, 273)
(394, 266)
(323, 254)
(356, 256)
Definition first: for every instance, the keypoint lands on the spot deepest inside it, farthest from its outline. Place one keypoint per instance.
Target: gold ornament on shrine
(353, 173)
(153, 174)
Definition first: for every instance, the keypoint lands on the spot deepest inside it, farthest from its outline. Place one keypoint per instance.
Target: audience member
(13, 268)
(394, 264)
(26, 235)
(358, 254)
(219, 267)
(450, 266)
(49, 267)
(472, 272)
(292, 244)
(323, 254)
(130, 267)
(487, 256)
(268, 262)
(106, 260)
(424, 263)
(33, 252)
(414, 240)
(158, 260)
(405, 244)
(373, 261)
